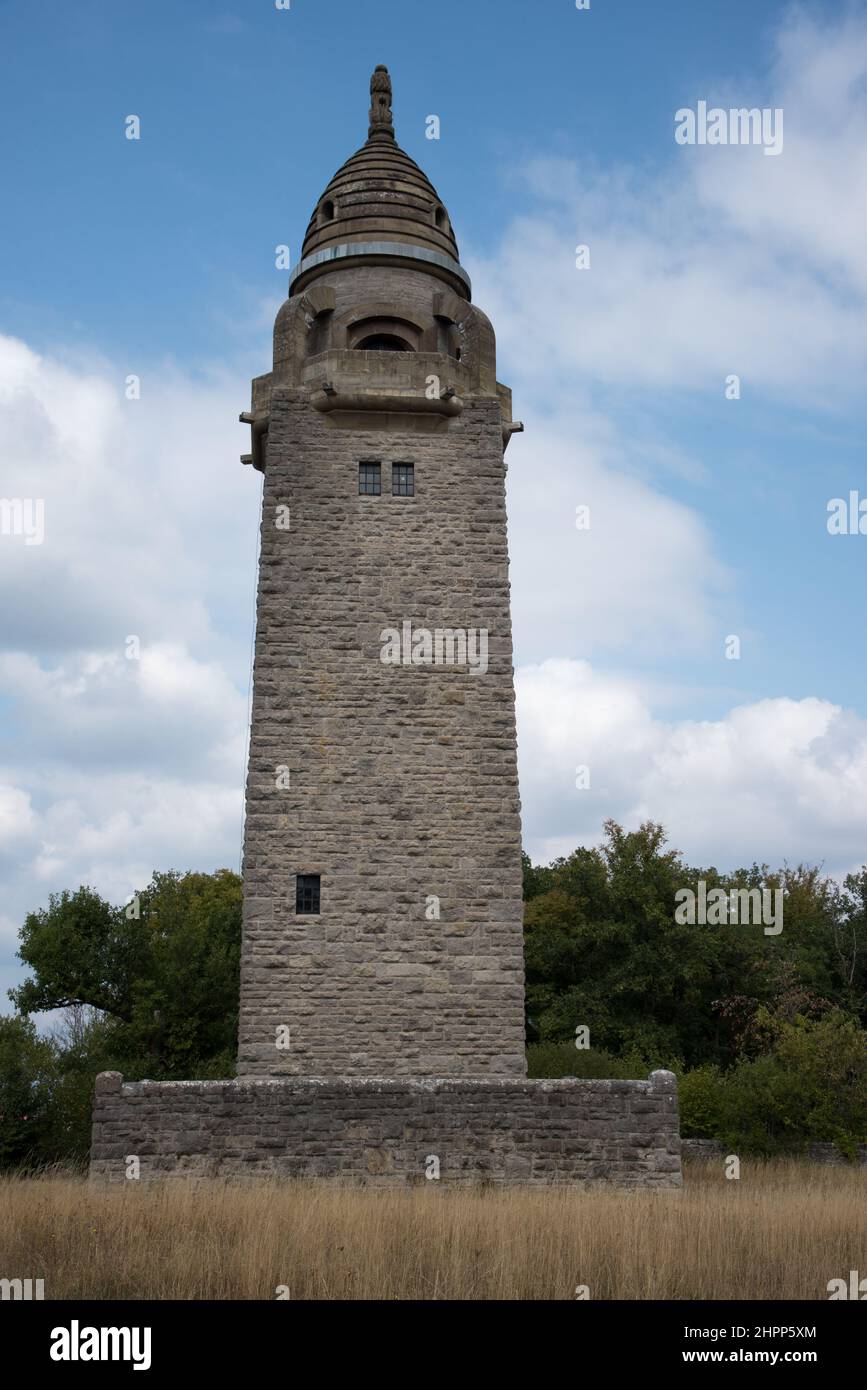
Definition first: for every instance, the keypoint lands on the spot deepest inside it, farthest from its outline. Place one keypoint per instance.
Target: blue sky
(246, 111)
(156, 257)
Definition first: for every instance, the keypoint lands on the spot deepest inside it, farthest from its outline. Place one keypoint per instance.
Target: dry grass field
(780, 1232)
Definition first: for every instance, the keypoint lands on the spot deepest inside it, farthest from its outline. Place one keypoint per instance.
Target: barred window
(307, 894)
(403, 479)
(370, 479)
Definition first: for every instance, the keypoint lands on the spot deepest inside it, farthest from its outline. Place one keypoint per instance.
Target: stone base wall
(386, 1132)
(711, 1151)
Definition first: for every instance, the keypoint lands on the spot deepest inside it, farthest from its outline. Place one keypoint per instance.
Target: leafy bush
(701, 1094)
(812, 1088)
(550, 1059)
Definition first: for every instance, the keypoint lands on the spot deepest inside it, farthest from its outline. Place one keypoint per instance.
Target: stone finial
(664, 1081)
(107, 1081)
(381, 122)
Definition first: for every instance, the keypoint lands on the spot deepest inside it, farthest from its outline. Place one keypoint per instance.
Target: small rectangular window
(370, 479)
(403, 479)
(307, 894)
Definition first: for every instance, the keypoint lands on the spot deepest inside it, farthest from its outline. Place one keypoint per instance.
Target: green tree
(811, 1087)
(850, 942)
(164, 972)
(26, 1076)
(603, 948)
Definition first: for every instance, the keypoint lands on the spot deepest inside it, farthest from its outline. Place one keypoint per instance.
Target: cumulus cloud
(160, 710)
(775, 780)
(814, 205)
(16, 816)
(639, 574)
(144, 501)
(725, 261)
(118, 757)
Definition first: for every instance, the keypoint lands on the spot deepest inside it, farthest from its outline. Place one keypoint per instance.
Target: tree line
(766, 1032)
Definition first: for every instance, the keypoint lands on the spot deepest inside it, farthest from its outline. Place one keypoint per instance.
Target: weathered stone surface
(711, 1151)
(384, 1132)
(403, 781)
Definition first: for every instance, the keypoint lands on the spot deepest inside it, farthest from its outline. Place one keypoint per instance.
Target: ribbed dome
(380, 194)
(379, 202)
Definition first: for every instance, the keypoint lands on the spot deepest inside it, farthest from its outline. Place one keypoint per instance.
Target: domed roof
(380, 205)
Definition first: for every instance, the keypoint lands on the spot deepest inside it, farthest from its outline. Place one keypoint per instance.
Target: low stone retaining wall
(709, 1150)
(387, 1133)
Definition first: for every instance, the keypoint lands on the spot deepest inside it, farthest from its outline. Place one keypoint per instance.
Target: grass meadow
(779, 1232)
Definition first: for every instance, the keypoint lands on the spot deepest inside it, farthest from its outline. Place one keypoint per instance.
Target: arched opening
(441, 219)
(326, 212)
(384, 333)
(384, 342)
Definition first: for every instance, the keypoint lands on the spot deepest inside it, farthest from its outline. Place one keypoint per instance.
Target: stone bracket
(328, 399)
(258, 427)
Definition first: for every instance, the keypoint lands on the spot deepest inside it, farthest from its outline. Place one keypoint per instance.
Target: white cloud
(162, 711)
(814, 204)
(728, 262)
(118, 768)
(773, 780)
(145, 503)
(114, 835)
(111, 767)
(16, 816)
(644, 578)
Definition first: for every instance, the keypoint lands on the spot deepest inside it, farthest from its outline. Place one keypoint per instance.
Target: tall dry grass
(780, 1232)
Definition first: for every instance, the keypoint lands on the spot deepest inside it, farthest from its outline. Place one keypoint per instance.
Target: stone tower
(382, 860)
(382, 1022)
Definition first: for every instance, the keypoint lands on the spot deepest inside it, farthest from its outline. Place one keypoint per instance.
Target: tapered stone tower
(382, 1022)
(382, 860)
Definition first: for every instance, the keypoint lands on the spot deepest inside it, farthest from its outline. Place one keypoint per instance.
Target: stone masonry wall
(385, 1132)
(711, 1151)
(403, 779)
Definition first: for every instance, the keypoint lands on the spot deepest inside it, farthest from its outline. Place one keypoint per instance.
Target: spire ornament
(381, 122)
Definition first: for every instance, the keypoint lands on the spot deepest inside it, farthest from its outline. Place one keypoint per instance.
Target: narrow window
(403, 479)
(370, 479)
(307, 894)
